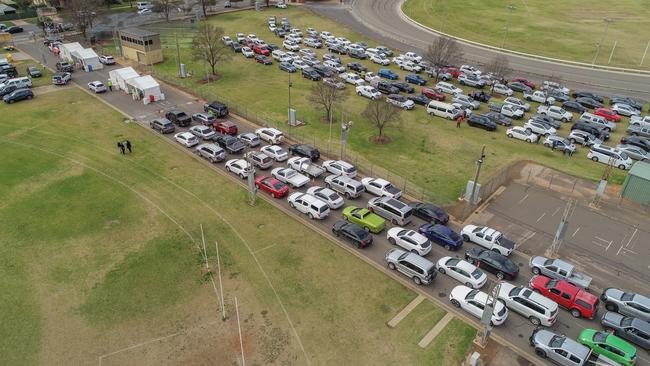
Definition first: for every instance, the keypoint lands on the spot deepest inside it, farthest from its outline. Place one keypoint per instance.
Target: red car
(608, 114)
(526, 82)
(261, 59)
(226, 128)
(272, 186)
(261, 50)
(453, 70)
(432, 94)
(578, 301)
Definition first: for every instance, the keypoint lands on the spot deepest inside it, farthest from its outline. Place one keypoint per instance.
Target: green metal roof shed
(637, 183)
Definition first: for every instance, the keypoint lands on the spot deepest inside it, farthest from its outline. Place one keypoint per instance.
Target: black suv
(230, 143)
(310, 73)
(352, 232)
(402, 86)
(180, 118)
(572, 106)
(356, 66)
(637, 141)
(218, 109)
(587, 94)
(337, 49)
(323, 70)
(64, 67)
(18, 95)
(305, 150)
(594, 130)
(162, 125)
(7, 90)
(386, 88)
(481, 122)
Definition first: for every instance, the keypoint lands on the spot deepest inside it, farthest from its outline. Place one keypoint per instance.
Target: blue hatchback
(415, 79)
(442, 235)
(285, 66)
(387, 74)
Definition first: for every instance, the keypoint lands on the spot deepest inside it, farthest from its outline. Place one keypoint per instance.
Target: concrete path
(402, 314)
(436, 330)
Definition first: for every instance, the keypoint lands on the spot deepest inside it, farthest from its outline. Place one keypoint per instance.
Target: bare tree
(165, 7)
(207, 46)
(499, 67)
(381, 115)
(443, 51)
(204, 5)
(328, 96)
(81, 13)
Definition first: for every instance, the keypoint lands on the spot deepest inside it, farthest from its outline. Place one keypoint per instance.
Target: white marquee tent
(145, 88)
(119, 77)
(88, 59)
(67, 49)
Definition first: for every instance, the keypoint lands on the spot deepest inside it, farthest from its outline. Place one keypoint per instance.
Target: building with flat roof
(141, 45)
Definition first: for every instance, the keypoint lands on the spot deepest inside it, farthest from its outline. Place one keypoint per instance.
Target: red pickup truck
(225, 128)
(578, 301)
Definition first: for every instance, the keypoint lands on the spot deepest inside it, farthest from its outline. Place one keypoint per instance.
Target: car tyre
(366, 228)
(540, 352)
(469, 285)
(500, 275)
(594, 158)
(392, 241)
(611, 307)
(311, 216)
(535, 270)
(417, 280)
(536, 322)
(392, 266)
(465, 238)
(510, 135)
(455, 303)
(622, 167)
(441, 270)
(227, 167)
(575, 313)
(294, 206)
(448, 247)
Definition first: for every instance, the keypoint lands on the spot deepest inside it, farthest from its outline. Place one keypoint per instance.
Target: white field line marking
(554, 212)
(544, 214)
(241, 341)
(223, 306)
(155, 340)
(575, 232)
(266, 247)
(210, 208)
(628, 242)
(599, 244)
(522, 200)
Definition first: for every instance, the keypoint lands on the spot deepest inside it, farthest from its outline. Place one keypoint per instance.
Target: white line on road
(524, 238)
(522, 200)
(544, 214)
(628, 242)
(599, 244)
(556, 210)
(575, 232)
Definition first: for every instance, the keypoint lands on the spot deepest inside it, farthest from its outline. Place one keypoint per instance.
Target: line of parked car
(591, 129)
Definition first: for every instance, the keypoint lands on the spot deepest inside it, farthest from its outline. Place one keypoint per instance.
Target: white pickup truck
(559, 269)
(638, 120)
(352, 78)
(555, 112)
(488, 238)
(538, 96)
(305, 166)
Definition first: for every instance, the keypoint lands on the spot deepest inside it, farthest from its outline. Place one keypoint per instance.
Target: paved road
(516, 329)
(380, 20)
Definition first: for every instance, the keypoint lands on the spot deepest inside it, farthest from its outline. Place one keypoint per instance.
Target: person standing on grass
(121, 147)
(109, 83)
(459, 120)
(128, 146)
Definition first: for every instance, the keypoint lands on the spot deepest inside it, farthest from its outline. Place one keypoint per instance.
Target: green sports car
(364, 218)
(609, 345)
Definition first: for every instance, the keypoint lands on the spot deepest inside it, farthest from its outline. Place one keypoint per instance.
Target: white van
(310, 205)
(21, 82)
(603, 154)
(144, 5)
(444, 110)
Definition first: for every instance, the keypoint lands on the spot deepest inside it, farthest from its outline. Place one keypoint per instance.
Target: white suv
(533, 306)
(368, 92)
(270, 135)
(309, 205)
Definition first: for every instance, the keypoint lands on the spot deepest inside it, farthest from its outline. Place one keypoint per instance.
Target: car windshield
(624, 155)
(626, 321)
(600, 337)
(471, 295)
(477, 273)
(556, 341)
(627, 296)
(333, 196)
(515, 291)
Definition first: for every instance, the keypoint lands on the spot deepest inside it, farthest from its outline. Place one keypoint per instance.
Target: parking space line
(575, 232)
(527, 236)
(628, 242)
(554, 212)
(523, 199)
(599, 244)
(544, 214)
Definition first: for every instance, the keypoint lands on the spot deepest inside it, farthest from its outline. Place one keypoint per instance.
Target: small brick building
(141, 45)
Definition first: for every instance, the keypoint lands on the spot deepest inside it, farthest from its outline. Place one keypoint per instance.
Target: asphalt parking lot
(527, 215)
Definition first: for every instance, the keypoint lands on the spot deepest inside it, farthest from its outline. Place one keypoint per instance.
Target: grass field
(422, 146)
(560, 29)
(46, 79)
(100, 252)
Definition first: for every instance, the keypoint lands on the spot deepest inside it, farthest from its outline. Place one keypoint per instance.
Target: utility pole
(178, 55)
(329, 140)
(345, 127)
(511, 8)
(600, 191)
(600, 44)
(486, 319)
(250, 175)
(479, 162)
(553, 251)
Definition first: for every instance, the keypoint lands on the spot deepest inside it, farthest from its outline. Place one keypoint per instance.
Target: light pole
(600, 44)
(511, 8)
(479, 162)
(289, 110)
(345, 127)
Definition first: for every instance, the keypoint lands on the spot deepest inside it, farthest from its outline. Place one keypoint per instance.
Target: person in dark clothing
(128, 146)
(121, 147)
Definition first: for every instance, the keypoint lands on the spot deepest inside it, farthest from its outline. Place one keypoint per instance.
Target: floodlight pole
(485, 330)
(479, 162)
(600, 44)
(553, 251)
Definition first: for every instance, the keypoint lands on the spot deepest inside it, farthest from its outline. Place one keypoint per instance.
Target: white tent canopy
(68, 48)
(119, 77)
(145, 88)
(88, 59)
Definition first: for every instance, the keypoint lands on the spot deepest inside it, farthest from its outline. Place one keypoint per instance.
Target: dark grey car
(162, 125)
(633, 329)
